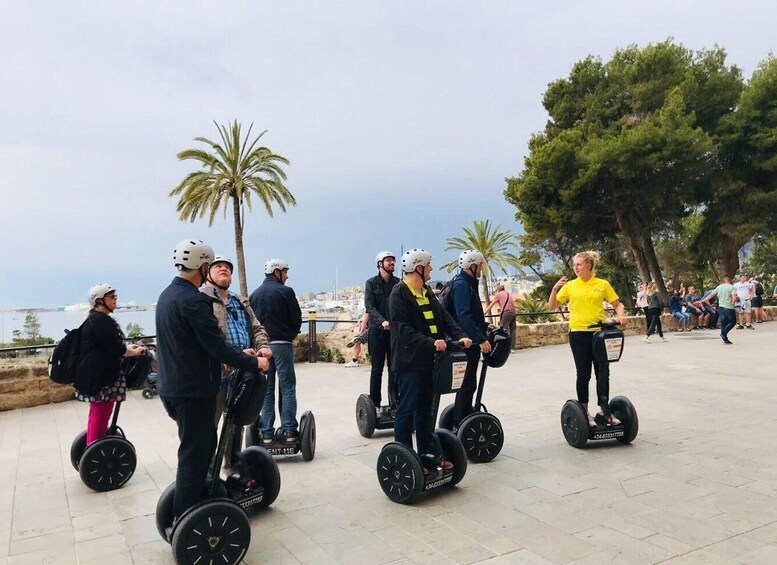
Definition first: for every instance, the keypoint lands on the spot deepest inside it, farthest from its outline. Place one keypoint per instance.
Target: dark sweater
(277, 309)
(102, 347)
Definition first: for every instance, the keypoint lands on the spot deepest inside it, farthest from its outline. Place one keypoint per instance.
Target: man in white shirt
(745, 292)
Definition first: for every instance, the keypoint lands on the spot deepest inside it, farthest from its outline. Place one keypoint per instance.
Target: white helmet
(99, 291)
(192, 254)
(383, 255)
(221, 259)
(470, 257)
(272, 264)
(413, 258)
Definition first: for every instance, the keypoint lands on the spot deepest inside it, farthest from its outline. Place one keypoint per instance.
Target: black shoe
(750, 327)
(290, 437)
(740, 327)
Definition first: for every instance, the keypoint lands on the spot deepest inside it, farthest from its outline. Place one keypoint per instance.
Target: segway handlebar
(605, 325)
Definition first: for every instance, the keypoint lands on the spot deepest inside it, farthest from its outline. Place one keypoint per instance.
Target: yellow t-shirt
(585, 302)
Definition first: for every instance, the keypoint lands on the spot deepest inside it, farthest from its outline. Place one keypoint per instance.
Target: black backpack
(759, 289)
(445, 297)
(63, 361)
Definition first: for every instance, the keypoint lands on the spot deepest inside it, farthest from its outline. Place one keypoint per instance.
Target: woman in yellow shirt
(586, 295)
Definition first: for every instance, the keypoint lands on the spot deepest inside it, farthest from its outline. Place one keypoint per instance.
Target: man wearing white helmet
(419, 325)
(376, 295)
(191, 349)
(238, 322)
(467, 310)
(277, 309)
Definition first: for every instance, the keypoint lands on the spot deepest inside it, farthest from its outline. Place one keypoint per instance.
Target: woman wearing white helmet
(419, 325)
(99, 379)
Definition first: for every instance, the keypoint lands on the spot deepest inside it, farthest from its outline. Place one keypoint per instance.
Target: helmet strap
(214, 283)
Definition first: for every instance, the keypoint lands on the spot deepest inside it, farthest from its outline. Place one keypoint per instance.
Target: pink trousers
(97, 424)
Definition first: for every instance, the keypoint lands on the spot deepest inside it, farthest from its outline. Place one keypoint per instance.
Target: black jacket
(412, 344)
(190, 345)
(467, 309)
(277, 309)
(102, 347)
(376, 299)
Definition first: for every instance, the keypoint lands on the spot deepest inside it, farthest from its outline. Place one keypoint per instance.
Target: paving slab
(698, 485)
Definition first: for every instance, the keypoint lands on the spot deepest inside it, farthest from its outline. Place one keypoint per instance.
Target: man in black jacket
(467, 310)
(277, 309)
(419, 325)
(191, 348)
(376, 297)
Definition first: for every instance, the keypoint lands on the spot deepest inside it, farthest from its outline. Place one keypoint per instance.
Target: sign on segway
(457, 378)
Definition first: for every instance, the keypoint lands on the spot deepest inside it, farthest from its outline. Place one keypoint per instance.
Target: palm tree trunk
(241, 262)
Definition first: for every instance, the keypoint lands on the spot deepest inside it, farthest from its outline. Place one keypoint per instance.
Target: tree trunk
(652, 259)
(240, 257)
(729, 264)
(628, 231)
(484, 286)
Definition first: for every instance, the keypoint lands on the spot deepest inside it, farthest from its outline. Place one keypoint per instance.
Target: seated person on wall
(696, 309)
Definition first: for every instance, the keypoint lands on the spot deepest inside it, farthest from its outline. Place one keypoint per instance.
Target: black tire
(574, 424)
(482, 436)
(400, 473)
(77, 449)
(147, 394)
(453, 451)
(214, 531)
(108, 464)
(164, 511)
(366, 419)
(446, 417)
(263, 468)
(308, 436)
(624, 410)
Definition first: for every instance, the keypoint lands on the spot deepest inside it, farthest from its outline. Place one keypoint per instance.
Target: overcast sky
(401, 121)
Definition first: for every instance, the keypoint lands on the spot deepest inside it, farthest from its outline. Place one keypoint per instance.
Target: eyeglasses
(111, 295)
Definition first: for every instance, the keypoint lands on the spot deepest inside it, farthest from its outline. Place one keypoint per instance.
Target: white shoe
(591, 421)
(664, 339)
(378, 411)
(351, 363)
(646, 339)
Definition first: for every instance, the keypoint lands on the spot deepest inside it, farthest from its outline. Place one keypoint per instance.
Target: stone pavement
(698, 485)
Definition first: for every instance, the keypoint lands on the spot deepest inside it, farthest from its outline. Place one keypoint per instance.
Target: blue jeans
(728, 319)
(415, 404)
(683, 319)
(282, 364)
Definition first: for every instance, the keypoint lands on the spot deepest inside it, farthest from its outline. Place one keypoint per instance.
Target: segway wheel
(624, 410)
(164, 511)
(77, 449)
(214, 531)
(366, 419)
(147, 394)
(308, 436)
(574, 423)
(263, 468)
(400, 473)
(446, 417)
(107, 464)
(482, 436)
(453, 451)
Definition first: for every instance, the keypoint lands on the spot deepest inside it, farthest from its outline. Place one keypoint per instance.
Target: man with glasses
(276, 307)
(238, 322)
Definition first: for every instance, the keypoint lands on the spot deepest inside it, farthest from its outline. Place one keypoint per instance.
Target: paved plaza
(698, 485)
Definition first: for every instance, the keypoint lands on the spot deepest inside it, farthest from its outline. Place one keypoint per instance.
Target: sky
(401, 121)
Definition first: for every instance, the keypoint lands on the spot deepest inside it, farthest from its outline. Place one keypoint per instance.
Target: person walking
(419, 325)
(504, 300)
(727, 298)
(277, 309)
(586, 295)
(191, 348)
(376, 296)
(99, 379)
(655, 308)
(237, 320)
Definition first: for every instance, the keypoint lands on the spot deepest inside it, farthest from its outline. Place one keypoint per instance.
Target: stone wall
(25, 382)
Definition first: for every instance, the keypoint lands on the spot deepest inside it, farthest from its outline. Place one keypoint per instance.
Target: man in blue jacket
(277, 309)
(191, 349)
(467, 310)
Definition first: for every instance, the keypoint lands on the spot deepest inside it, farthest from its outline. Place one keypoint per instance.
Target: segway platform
(577, 432)
(305, 442)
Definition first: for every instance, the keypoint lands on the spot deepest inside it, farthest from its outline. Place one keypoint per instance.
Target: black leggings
(654, 322)
(582, 345)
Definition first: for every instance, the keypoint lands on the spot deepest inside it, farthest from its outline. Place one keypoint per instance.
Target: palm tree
(494, 243)
(235, 169)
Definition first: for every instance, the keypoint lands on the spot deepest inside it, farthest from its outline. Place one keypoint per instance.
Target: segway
(109, 462)
(217, 530)
(480, 432)
(608, 348)
(149, 391)
(401, 470)
(305, 442)
(367, 418)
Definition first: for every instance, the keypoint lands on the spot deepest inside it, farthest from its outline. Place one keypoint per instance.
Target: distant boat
(76, 307)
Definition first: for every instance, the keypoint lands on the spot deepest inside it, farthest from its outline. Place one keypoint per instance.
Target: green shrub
(537, 306)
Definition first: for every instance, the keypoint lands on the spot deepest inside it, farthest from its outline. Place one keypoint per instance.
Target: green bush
(537, 307)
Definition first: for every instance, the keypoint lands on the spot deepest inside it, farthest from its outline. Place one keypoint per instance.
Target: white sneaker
(664, 339)
(646, 339)
(614, 421)
(378, 411)
(351, 363)
(591, 421)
